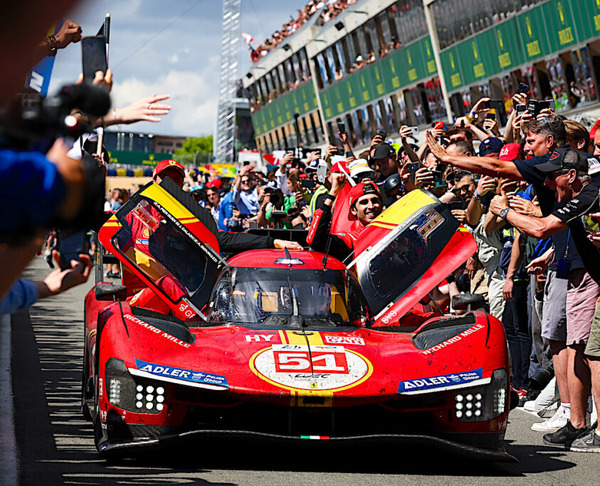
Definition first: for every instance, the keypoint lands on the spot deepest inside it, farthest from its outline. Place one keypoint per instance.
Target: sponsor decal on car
(454, 339)
(157, 331)
(259, 338)
(441, 382)
(177, 375)
(357, 341)
(318, 367)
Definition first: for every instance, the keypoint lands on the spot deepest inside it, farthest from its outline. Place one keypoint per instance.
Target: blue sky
(172, 48)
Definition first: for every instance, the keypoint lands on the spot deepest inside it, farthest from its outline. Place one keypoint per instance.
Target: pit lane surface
(55, 444)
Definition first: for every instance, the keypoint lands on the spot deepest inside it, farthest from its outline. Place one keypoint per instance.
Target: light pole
(435, 45)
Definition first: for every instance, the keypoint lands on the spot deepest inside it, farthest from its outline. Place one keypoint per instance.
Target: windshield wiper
(296, 320)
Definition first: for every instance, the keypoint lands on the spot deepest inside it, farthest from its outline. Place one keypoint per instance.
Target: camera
(33, 122)
(536, 106)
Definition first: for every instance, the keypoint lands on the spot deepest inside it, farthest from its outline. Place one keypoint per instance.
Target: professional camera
(34, 122)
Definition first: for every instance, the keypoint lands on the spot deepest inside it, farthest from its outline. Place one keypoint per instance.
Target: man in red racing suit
(365, 205)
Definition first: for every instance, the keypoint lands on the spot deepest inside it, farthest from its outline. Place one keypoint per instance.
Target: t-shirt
(548, 204)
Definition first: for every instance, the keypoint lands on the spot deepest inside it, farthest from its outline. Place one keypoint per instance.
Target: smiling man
(365, 205)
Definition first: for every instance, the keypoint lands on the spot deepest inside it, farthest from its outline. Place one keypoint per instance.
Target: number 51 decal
(320, 359)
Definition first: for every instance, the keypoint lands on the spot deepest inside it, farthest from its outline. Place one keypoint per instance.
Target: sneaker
(587, 443)
(529, 406)
(564, 436)
(552, 424)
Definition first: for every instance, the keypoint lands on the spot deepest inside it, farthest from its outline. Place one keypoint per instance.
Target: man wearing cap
(490, 147)
(567, 175)
(169, 168)
(385, 161)
(365, 205)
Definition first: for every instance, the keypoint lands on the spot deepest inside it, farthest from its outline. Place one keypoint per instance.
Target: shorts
(554, 313)
(581, 306)
(593, 344)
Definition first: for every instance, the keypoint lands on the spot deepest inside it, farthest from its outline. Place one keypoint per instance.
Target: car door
(408, 250)
(169, 242)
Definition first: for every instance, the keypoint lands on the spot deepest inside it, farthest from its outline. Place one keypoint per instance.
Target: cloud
(194, 101)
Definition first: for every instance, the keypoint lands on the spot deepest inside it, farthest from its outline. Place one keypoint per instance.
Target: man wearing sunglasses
(245, 192)
(567, 175)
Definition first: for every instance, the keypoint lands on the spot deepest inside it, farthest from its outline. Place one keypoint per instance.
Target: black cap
(382, 151)
(565, 159)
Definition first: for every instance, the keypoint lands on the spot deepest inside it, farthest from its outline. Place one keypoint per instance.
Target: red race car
(290, 345)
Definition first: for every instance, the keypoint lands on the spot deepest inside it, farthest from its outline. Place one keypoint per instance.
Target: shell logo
(325, 368)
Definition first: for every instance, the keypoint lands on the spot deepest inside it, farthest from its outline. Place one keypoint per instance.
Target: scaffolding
(225, 136)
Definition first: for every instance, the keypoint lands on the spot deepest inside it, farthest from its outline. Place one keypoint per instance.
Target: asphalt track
(53, 444)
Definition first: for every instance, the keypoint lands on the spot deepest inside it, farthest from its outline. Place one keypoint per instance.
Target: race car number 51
(302, 361)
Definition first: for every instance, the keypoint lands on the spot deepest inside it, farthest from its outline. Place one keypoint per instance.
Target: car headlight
(481, 403)
(135, 395)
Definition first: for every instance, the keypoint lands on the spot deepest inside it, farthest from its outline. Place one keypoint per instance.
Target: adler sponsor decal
(442, 381)
(454, 339)
(157, 331)
(181, 374)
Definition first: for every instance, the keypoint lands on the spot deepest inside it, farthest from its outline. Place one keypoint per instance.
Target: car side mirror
(468, 301)
(110, 292)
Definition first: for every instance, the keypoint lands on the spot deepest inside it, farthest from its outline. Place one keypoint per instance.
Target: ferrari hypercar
(289, 345)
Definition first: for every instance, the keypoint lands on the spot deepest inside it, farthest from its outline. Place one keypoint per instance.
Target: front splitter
(458, 448)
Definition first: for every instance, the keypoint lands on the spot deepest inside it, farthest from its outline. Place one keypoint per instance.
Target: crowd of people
(529, 196)
(327, 9)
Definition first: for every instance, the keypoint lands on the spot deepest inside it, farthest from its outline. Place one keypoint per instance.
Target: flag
(247, 38)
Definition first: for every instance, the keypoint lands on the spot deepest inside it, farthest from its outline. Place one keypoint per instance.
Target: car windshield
(286, 297)
(391, 270)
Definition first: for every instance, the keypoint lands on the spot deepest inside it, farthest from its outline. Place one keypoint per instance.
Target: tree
(195, 150)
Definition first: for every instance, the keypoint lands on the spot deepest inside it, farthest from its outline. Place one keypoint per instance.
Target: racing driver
(365, 206)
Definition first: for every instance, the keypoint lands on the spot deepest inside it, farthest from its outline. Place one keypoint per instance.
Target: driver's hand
(290, 245)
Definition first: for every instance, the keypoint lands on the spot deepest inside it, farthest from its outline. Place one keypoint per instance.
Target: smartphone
(70, 246)
(521, 108)
(456, 205)
(522, 89)
(545, 104)
(93, 56)
(438, 125)
(493, 104)
(341, 127)
(381, 132)
(536, 106)
(414, 130)
(438, 177)
(307, 183)
(322, 173)
(412, 167)
(339, 151)
(490, 116)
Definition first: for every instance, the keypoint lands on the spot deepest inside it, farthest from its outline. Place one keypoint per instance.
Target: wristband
(350, 154)
(52, 45)
(504, 213)
(476, 195)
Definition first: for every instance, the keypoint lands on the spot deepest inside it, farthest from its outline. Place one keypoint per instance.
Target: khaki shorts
(554, 310)
(593, 344)
(581, 306)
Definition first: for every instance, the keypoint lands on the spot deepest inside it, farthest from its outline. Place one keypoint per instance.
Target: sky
(171, 48)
